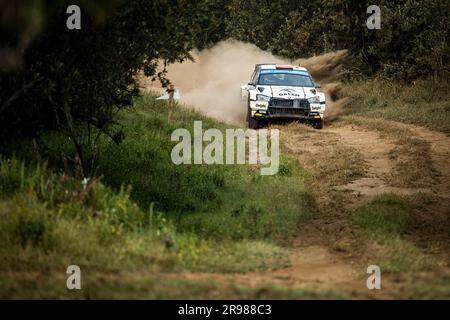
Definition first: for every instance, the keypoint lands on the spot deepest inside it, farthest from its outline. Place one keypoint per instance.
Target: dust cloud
(211, 83)
(325, 70)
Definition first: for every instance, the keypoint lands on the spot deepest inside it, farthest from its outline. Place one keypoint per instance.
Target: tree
(76, 80)
(413, 40)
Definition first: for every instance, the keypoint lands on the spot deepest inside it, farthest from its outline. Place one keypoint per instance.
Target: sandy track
(376, 153)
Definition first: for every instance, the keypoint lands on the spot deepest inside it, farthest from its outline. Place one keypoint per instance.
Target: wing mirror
(250, 85)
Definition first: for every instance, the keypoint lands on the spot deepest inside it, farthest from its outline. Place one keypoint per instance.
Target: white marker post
(170, 96)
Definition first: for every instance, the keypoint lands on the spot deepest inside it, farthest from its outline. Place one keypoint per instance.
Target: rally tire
(319, 124)
(252, 123)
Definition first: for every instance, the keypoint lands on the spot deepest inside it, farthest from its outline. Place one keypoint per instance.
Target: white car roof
(280, 66)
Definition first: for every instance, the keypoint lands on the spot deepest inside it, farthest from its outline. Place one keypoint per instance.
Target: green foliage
(143, 161)
(422, 103)
(51, 219)
(412, 42)
(76, 80)
(32, 227)
(217, 201)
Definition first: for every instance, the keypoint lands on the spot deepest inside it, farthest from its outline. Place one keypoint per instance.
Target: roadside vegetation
(423, 102)
(86, 176)
(144, 213)
(384, 220)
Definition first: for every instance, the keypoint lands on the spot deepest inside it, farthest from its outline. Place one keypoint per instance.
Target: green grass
(385, 215)
(144, 214)
(216, 201)
(394, 255)
(52, 220)
(424, 102)
(385, 219)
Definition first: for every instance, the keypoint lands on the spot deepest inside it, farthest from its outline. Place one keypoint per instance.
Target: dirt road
(351, 163)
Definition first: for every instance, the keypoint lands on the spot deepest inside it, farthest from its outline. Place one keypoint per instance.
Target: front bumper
(287, 109)
(304, 116)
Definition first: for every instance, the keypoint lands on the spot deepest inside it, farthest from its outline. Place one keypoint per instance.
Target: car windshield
(285, 79)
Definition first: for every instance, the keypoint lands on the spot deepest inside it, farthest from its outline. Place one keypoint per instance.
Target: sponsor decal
(288, 93)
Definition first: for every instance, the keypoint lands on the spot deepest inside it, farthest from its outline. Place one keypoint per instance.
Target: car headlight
(315, 99)
(262, 97)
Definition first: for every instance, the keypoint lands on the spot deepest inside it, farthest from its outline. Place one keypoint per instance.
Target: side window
(252, 78)
(255, 77)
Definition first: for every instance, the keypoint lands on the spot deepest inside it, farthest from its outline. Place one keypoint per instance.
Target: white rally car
(283, 91)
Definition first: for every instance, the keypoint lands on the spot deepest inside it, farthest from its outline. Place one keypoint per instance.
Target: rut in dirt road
(350, 165)
(332, 228)
(376, 153)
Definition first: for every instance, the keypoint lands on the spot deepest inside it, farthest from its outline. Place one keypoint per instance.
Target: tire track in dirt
(375, 149)
(440, 154)
(330, 236)
(328, 250)
(376, 153)
(311, 267)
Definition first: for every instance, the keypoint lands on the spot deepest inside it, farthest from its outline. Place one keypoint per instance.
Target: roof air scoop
(283, 66)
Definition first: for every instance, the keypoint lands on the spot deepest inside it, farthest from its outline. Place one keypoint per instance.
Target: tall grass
(144, 212)
(214, 201)
(50, 219)
(425, 103)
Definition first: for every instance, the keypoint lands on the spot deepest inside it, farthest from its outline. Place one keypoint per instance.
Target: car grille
(286, 106)
(282, 103)
(296, 103)
(287, 111)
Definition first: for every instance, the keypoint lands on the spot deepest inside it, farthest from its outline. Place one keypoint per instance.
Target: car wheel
(319, 124)
(252, 123)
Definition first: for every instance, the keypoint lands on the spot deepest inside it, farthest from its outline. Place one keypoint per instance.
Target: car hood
(289, 92)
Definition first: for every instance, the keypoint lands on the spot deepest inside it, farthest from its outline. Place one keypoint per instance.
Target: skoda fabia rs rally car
(283, 91)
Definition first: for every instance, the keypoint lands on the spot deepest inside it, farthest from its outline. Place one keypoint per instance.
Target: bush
(26, 223)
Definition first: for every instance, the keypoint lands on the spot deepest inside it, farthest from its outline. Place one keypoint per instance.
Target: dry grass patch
(411, 155)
